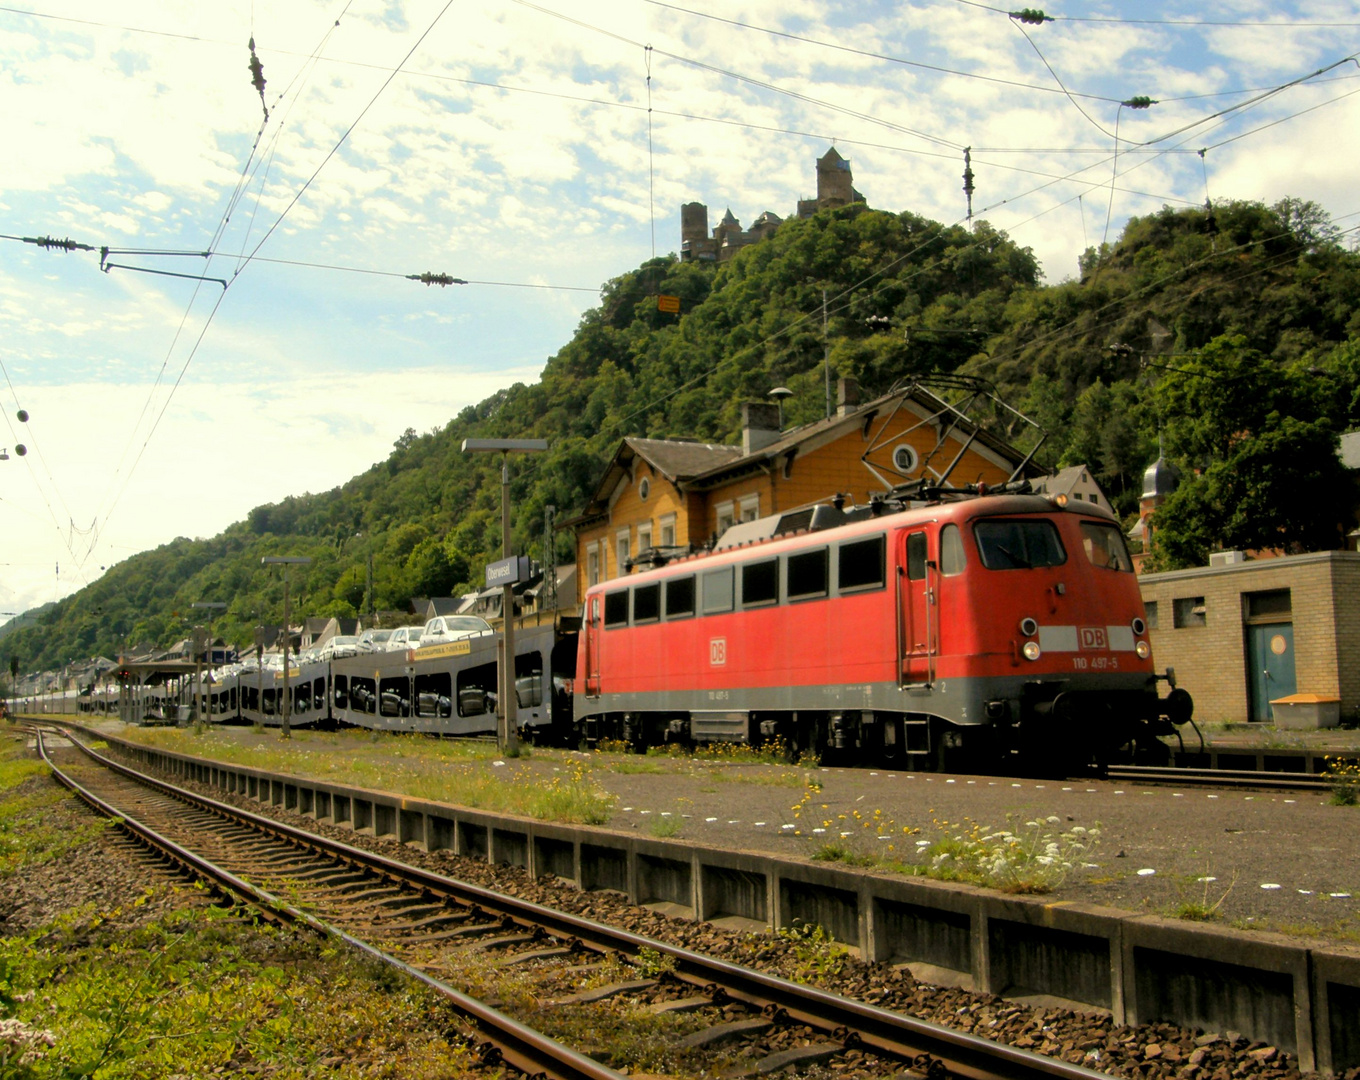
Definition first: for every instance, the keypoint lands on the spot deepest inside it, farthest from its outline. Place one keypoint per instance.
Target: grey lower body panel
(962, 702)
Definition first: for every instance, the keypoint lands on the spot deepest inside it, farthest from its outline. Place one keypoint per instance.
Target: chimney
(847, 396)
(759, 425)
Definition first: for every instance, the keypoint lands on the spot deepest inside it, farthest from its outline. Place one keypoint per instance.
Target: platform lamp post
(201, 704)
(287, 562)
(507, 734)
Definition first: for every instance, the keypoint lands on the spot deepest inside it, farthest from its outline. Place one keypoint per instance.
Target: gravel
(1092, 1039)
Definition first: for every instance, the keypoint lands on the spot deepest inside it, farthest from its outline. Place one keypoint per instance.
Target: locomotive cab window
(916, 557)
(680, 597)
(647, 603)
(807, 574)
(859, 565)
(718, 591)
(616, 608)
(953, 561)
(1104, 546)
(1019, 545)
(760, 583)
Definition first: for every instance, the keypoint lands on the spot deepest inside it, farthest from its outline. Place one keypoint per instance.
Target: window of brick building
(1188, 611)
(1273, 605)
(1151, 606)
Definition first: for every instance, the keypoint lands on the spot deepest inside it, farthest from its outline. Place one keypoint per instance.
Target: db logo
(717, 651)
(1093, 637)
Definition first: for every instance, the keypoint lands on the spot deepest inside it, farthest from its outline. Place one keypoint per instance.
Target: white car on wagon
(445, 628)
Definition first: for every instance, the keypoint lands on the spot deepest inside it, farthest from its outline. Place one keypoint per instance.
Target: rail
(928, 1048)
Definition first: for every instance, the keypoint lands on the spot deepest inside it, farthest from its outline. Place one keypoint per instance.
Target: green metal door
(1270, 654)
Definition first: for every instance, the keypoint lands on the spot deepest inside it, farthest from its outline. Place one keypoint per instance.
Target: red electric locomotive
(977, 630)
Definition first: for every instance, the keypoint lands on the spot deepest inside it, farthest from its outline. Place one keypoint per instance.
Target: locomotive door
(918, 614)
(592, 645)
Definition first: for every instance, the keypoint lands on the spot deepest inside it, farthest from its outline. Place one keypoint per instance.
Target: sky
(534, 150)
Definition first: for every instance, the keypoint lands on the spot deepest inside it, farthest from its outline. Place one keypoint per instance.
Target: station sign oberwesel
(511, 571)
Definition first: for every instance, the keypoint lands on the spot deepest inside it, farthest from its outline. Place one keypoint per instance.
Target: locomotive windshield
(1105, 546)
(1018, 545)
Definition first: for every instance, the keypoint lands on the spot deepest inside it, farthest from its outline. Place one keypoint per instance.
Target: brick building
(673, 493)
(1242, 634)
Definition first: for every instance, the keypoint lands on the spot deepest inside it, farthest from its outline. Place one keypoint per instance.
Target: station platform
(1279, 861)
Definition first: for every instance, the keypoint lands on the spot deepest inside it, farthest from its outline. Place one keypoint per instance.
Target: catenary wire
(616, 104)
(750, 80)
(870, 54)
(218, 232)
(1167, 22)
(263, 240)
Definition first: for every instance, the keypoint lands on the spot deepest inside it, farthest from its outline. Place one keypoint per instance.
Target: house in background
(1077, 483)
(680, 495)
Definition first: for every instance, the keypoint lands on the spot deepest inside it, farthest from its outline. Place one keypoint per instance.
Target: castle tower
(693, 221)
(695, 243)
(834, 182)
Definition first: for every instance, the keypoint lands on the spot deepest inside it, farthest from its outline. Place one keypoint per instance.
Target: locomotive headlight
(1032, 650)
(1029, 627)
(1138, 626)
(1143, 649)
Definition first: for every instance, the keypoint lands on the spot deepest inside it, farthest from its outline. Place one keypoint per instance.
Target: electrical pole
(507, 734)
(287, 562)
(826, 356)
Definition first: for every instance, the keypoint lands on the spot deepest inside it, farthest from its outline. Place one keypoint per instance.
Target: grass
(165, 985)
(665, 828)
(1201, 908)
(194, 993)
(27, 838)
(1032, 857)
(461, 772)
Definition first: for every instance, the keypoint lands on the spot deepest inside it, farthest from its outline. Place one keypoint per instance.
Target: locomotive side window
(807, 574)
(616, 608)
(1018, 545)
(647, 603)
(916, 556)
(859, 565)
(718, 591)
(760, 582)
(953, 561)
(1104, 546)
(680, 597)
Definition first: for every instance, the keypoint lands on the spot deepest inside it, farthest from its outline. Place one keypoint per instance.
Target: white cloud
(139, 140)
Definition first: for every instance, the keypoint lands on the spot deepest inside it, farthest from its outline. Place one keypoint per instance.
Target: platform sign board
(511, 571)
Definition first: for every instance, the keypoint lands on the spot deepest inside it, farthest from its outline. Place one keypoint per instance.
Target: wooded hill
(1233, 332)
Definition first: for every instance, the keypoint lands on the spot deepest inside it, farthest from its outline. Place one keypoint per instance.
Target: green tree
(1258, 444)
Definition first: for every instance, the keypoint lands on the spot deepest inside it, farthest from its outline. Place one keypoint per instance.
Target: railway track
(720, 1018)
(1229, 778)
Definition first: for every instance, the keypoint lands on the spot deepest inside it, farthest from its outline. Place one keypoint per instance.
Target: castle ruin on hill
(835, 187)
